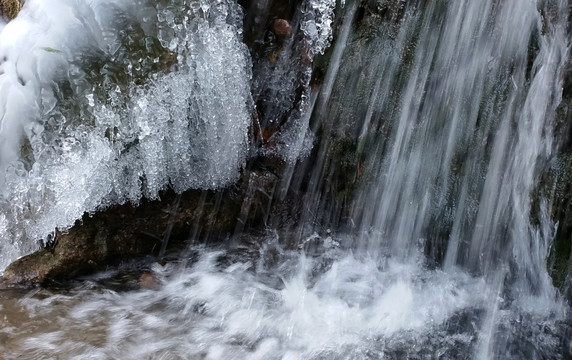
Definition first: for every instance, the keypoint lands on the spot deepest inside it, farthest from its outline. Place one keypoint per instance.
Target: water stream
(437, 249)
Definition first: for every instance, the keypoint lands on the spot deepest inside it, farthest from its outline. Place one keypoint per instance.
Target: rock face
(149, 280)
(125, 231)
(10, 8)
(556, 184)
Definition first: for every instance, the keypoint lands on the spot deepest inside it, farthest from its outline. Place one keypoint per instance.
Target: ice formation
(104, 102)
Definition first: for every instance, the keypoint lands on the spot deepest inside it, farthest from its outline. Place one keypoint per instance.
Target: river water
(270, 303)
(439, 254)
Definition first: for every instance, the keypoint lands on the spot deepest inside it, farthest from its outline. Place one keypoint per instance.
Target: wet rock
(148, 280)
(30, 269)
(76, 253)
(259, 15)
(555, 184)
(10, 8)
(282, 27)
(126, 231)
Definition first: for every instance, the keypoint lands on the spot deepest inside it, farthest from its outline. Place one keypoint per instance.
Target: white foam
(285, 305)
(223, 312)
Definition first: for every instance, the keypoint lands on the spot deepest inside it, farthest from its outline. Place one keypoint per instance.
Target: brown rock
(125, 231)
(282, 28)
(148, 280)
(31, 269)
(10, 8)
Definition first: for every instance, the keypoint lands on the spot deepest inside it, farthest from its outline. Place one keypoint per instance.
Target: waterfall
(455, 120)
(453, 112)
(412, 167)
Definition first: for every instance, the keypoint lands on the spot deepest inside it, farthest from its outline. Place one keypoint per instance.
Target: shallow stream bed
(266, 302)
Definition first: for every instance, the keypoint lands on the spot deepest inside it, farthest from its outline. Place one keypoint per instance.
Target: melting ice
(107, 101)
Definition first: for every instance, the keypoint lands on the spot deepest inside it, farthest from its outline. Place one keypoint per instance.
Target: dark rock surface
(125, 231)
(282, 27)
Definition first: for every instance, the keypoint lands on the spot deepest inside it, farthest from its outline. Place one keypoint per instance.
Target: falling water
(434, 121)
(463, 147)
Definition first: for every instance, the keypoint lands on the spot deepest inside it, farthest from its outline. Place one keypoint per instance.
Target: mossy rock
(10, 8)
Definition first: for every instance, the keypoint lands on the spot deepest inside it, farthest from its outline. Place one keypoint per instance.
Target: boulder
(127, 231)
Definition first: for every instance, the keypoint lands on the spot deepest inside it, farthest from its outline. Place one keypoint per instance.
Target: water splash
(273, 303)
(221, 311)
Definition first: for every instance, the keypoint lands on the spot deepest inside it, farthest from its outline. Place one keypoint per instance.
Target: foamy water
(271, 303)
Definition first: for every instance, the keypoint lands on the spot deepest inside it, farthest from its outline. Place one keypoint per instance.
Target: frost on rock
(115, 102)
(290, 73)
(317, 25)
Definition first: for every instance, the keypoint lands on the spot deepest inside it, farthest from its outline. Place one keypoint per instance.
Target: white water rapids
(269, 303)
(109, 101)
